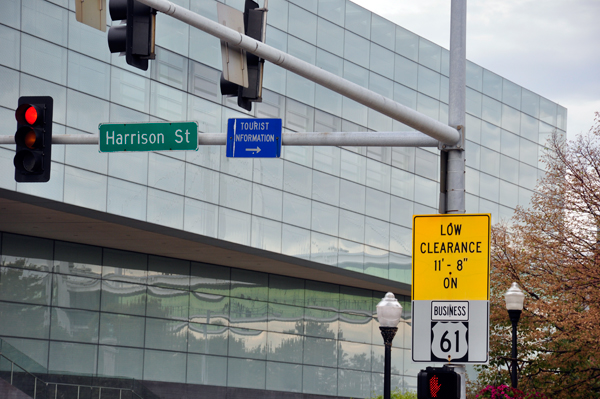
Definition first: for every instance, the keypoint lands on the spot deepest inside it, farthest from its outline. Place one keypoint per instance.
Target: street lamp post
(514, 298)
(389, 312)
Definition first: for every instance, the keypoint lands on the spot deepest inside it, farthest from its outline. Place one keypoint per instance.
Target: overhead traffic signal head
(438, 383)
(135, 38)
(33, 139)
(254, 27)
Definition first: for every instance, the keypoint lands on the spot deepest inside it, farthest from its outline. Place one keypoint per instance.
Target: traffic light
(135, 38)
(438, 383)
(254, 27)
(33, 139)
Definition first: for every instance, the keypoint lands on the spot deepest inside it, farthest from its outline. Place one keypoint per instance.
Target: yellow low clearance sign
(451, 257)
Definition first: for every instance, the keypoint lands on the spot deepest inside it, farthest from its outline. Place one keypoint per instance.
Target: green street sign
(155, 136)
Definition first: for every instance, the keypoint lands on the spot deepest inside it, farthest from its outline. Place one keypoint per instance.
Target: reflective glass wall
(347, 207)
(80, 309)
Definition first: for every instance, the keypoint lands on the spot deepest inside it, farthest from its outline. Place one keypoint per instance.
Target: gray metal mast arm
(399, 112)
(348, 139)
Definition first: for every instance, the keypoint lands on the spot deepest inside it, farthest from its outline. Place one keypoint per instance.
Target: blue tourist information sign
(254, 138)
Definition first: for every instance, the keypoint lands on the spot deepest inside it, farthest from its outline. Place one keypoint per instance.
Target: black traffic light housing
(33, 139)
(136, 37)
(438, 383)
(254, 26)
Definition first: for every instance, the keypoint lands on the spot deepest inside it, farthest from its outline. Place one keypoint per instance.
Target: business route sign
(254, 138)
(155, 136)
(451, 288)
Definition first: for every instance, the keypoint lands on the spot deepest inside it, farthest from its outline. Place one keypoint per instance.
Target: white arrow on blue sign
(253, 138)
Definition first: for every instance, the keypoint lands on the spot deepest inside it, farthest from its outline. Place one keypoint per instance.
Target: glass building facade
(101, 311)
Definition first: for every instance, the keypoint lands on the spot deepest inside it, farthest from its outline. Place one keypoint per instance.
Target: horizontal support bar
(347, 139)
(416, 120)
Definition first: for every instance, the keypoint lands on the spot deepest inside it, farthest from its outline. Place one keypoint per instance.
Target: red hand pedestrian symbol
(434, 386)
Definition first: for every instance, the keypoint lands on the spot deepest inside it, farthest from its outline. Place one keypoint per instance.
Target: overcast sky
(551, 47)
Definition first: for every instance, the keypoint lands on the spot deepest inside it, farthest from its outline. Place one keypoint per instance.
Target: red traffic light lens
(31, 115)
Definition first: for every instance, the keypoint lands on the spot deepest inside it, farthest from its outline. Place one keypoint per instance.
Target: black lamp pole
(388, 334)
(514, 315)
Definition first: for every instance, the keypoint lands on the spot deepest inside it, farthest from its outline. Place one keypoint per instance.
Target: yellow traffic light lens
(30, 139)
(31, 115)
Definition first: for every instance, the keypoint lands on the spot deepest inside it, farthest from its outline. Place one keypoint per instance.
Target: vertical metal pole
(513, 374)
(453, 187)
(455, 167)
(388, 334)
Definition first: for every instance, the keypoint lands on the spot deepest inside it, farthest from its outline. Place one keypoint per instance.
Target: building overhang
(40, 217)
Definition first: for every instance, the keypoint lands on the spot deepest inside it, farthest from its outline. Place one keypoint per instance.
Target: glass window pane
(77, 259)
(209, 308)
(426, 191)
(491, 111)
(22, 320)
(234, 226)
(286, 319)
(490, 136)
(302, 24)
(406, 72)
(121, 297)
(511, 94)
(511, 119)
(120, 329)
(206, 370)
(377, 233)
(358, 19)
(27, 252)
(286, 290)
(510, 144)
(333, 10)
(429, 82)
(407, 43)
(491, 164)
(246, 373)
(320, 351)
(351, 256)
(247, 343)
(382, 61)
(44, 59)
(74, 325)
(383, 32)
(323, 248)
(167, 303)
(295, 241)
(19, 285)
(164, 366)
(509, 169)
(249, 285)
(430, 54)
(356, 49)
(166, 173)
(210, 279)
(71, 358)
(474, 76)
(473, 102)
(330, 37)
(284, 377)
(114, 361)
(76, 292)
(351, 226)
(166, 334)
(124, 265)
(319, 380)
(266, 234)
(530, 103)
(208, 339)
(376, 260)
(492, 85)
(322, 295)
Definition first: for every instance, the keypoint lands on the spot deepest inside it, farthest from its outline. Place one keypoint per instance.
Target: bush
(506, 392)
(398, 394)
